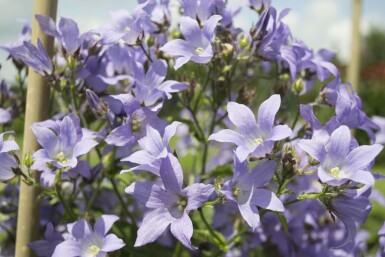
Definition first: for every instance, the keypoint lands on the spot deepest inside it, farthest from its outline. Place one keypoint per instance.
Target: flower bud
(244, 41)
(298, 85)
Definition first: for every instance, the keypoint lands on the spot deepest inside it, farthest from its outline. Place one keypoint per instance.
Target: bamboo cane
(36, 110)
(354, 65)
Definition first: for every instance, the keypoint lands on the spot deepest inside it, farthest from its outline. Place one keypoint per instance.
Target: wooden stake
(36, 110)
(354, 65)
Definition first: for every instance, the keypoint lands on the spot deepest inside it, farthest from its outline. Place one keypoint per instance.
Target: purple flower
(149, 88)
(90, 243)
(62, 147)
(198, 9)
(135, 125)
(380, 122)
(7, 145)
(197, 46)
(245, 190)
(154, 148)
(45, 248)
(259, 5)
(35, 57)
(169, 205)
(252, 137)
(7, 164)
(67, 33)
(350, 207)
(24, 35)
(338, 161)
(126, 27)
(5, 116)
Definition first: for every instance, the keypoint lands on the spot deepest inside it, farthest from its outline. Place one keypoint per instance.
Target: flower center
(135, 125)
(181, 203)
(199, 50)
(94, 250)
(60, 157)
(335, 172)
(258, 141)
(237, 192)
(127, 30)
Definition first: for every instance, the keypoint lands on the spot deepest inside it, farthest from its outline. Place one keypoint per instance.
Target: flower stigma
(335, 172)
(199, 50)
(60, 157)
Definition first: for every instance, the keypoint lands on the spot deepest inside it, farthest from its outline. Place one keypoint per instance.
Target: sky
(318, 23)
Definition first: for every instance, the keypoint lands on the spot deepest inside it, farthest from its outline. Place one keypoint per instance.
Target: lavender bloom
(259, 5)
(7, 164)
(125, 27)
(149, 88)
(198, 9)
(135, 125)
(24, 35)
(90, 243)
(338, 162)
(197, 46)
(98, 74)
(45, 248)
(349, 111)
(271, 39)
(252, 137)
(350, 206)
(169, 205)
(380, 122)
(67, 33)
(7, 145)
(245, 190)
(61, 148)
(5, 116)
(35, 57)
(154, 148)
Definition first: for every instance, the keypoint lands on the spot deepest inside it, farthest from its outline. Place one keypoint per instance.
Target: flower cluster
(181, 134)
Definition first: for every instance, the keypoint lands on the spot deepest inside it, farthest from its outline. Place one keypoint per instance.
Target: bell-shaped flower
(168, 205)
(154, 148)
(151, 87)
(7, 164)
(60, 148)
(134, 127)
(35, 57)
(197, 44)
(45, 248)
(245, 189)
(351, 207)
(252, 137)
(9, 144)
(338, 161)
(88, 242)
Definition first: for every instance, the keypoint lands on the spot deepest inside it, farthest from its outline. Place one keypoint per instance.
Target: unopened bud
(244, 41)
(28, 160)
(298, 85)
(228, 49)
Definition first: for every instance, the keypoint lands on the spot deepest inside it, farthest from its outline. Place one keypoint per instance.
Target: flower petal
(182, 229)
(171, 173)
(243, 118)
(313, 148)
(267, 112)
(267, 200)
(104, 224)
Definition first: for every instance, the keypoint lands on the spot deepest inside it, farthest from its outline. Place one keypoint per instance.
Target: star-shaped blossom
(7, 162)
(90, 243)
(62, 147)
(168, 205)
(197, 46)
(35, 57)
(151, 87)
(45, 248)
(252, 137)
(351, 207)
(245, 189)
(338, 161)
(154, 149)
(67, 33)
(134, 127)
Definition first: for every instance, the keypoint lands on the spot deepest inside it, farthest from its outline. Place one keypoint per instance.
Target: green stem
(67, 209)
(218, 200)
(124, 205)
(211, 230)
